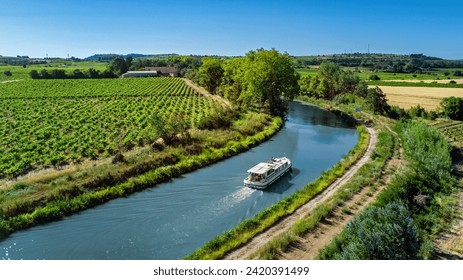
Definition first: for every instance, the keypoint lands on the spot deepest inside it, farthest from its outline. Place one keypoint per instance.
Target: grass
(224, 243)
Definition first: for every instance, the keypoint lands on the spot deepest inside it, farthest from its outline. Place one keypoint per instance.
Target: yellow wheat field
(426, 97)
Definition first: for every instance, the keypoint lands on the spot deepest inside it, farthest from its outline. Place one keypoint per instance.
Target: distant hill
(111, 56)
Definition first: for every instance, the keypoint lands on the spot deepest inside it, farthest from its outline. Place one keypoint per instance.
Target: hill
(111, 56)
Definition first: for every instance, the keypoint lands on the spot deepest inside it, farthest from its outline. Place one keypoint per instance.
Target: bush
(417, 112)
(375, 77)
(395, 112)
(379, 233)
(7, 73)
(453, 107)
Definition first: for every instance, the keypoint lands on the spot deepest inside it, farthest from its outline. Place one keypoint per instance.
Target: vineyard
(452, 129)
(54, 122)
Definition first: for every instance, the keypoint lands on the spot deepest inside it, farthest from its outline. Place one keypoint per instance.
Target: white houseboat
(265, 173)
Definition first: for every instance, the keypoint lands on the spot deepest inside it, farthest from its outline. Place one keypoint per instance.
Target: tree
(304, 85)
(377, 100)
(58, 74)
(330, 75)
(210, 74)
(453, 107)
(269, 81)
(232, 80)
(93, 74)
(120, 66)
(34, 74)
(77, 74)
(332, 81)
(44, 74)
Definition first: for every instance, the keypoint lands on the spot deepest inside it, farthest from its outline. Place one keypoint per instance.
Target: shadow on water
(284, 183)
(302, 113)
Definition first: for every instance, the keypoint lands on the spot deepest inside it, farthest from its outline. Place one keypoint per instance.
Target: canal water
(172, 219)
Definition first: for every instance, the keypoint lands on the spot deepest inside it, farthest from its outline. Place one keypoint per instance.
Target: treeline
(414, 63)
(343, 86)
(416, 204)
(76, 74)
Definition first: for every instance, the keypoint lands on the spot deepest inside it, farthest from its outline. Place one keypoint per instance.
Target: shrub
(453, 107)
(375, 77)
(379, 233)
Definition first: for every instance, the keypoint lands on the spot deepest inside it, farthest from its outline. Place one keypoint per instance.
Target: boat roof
(263, 167)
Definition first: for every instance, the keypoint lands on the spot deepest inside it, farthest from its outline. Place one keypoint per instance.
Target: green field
(54, 122)
(20, 72)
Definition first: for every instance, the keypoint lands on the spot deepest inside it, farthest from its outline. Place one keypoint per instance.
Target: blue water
(172, 219)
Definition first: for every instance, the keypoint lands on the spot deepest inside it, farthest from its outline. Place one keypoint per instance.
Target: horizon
(52, 28)
(212, 55)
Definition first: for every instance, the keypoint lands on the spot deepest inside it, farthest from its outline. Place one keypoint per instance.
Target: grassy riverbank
(224, 243)
(49, 197)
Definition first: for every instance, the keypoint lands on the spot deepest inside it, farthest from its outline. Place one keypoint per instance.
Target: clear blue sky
(84, 27)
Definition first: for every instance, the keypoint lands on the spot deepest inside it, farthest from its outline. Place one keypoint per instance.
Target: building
(140, 74)
(165, 71)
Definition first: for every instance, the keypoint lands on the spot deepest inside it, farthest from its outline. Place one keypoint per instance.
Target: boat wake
(232, 200)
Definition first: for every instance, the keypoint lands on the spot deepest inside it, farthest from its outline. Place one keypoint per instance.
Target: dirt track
(204, 92)
(244, 252)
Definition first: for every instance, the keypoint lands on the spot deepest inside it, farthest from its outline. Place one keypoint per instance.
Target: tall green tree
(210, 74)
(233, 80)
(120, 65)
(330, 76)
(377, 100)
(270, 81)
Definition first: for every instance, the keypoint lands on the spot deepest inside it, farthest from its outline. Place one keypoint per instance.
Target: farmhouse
(153, 72)
(165, 71)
